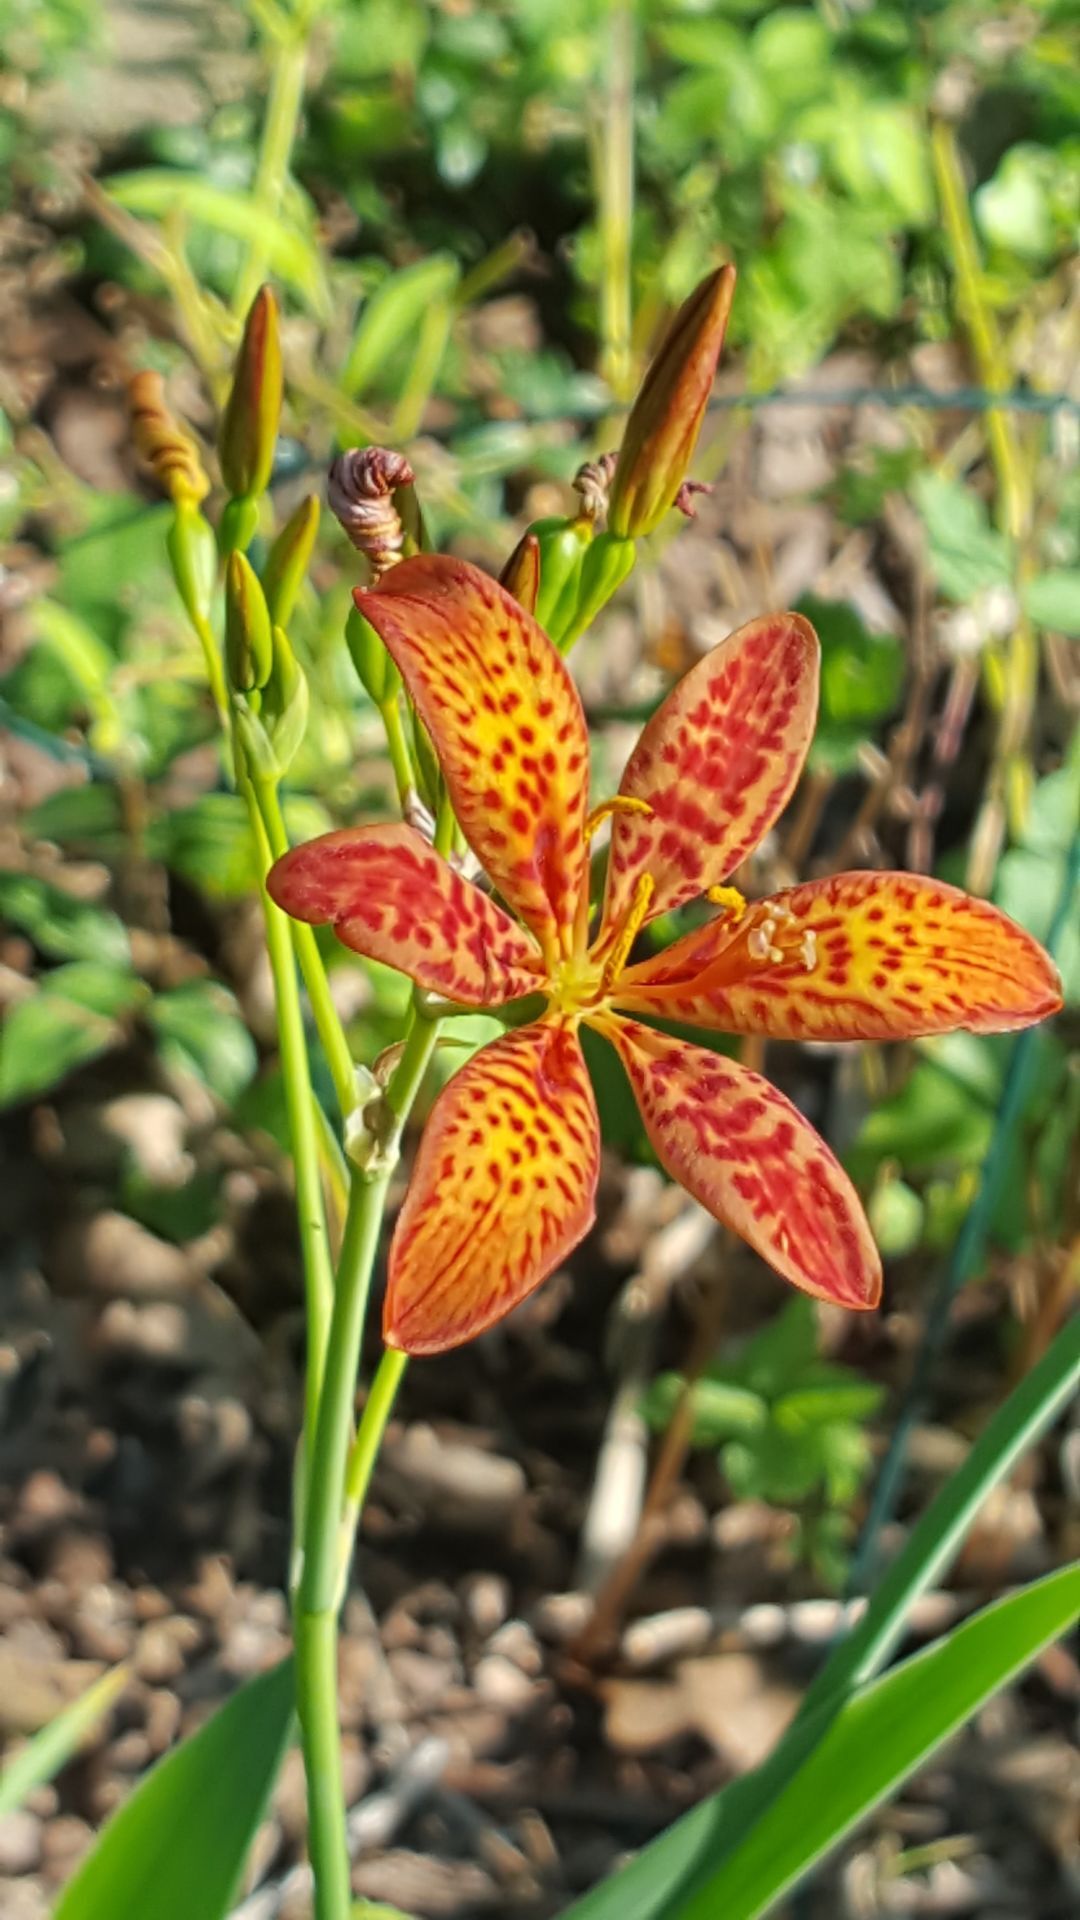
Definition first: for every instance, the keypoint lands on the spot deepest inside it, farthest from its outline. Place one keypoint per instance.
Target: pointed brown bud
(163, 443)
(666, 417)
(250, 427)
(521, 574)
(361, 492)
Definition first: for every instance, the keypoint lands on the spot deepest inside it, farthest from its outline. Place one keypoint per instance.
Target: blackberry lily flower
(506, 1172)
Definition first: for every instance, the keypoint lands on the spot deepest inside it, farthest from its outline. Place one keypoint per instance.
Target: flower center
(772, 937)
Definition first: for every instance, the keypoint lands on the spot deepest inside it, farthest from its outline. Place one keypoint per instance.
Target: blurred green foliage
(787, 1428)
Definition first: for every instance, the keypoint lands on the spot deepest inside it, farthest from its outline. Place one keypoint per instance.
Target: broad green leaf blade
(45, 1038)
(1038, 1399)
(159, 191)
(882, 1734)
(50, 1749)
(393, 315)
(711, 1832)
(176, 1849)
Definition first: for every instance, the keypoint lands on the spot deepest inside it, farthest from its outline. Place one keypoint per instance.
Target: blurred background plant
(478, 218)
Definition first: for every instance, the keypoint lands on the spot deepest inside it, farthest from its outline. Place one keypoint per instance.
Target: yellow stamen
(622, 803)
(628, 932)
(729, 900)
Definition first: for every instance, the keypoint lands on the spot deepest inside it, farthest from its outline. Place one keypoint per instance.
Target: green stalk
(398, 748)
(283, 105)
(613, 180)
(300, 1106)
(329, 1027)
(325, 1550)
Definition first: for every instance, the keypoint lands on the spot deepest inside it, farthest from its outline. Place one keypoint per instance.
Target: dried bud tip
(163, 443)
(593, 483)
(684, 499)
(360, 492)
(521, 574)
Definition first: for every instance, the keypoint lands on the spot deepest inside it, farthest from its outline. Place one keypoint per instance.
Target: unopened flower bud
(377, 673)
(163, 443)
(287, 560)
(249, 651)
(365, 490)
(521, 574)
(193, 555)
(250, 427)
(666, 417)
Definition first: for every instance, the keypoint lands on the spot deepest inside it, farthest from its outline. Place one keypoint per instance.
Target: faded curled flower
(505, 1177)
(361, 493)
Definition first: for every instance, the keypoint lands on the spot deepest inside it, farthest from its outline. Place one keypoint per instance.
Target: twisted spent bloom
(505, 1177)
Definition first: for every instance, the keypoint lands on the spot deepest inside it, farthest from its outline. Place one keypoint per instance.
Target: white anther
(782, 911)
(808, 949)
(775, 955)
(758, 942)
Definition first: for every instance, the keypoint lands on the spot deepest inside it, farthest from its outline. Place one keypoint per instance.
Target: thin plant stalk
(327, 1023)
(283, 105)
(300, 1106)
(613, 167)
(315, 1618)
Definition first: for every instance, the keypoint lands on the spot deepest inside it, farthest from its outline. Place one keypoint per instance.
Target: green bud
(604, 568)
(193, 556)
(563, 544)
(239, 525)
(249, 647)
(379, 677)
(284, 711)
(287, 560)
(250, 427)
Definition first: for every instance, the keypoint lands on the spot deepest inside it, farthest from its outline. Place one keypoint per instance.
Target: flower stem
(613, 174)
(398, 749)
(300, 1105)
(329, 1027)
(330, 1519)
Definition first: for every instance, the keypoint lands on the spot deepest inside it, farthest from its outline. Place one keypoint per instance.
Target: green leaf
(1053, 600)
(966, 554)
(649, 1886)
(89, 817)
(735, 1854)
(393, 315)
(176, 1848)
(44, 1039)
(59, 924)
(200, 1032)
(54, 1745)
(159, 191)
(211, 843)
(877, 1739)
(101, 988)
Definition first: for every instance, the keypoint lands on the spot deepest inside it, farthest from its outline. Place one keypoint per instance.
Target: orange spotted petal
(716, 763)
(503, 1187)
(507, 725)
(857, 956)
(390, 897)
(747, 1154)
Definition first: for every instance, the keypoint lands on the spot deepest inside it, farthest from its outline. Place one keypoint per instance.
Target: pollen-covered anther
(729, 900)
(628, 932)
(808, 950)
(622, 803)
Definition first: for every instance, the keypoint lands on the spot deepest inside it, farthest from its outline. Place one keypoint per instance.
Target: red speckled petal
(507, 725)
(503, 1188)
(747, 1154)
(717, 763)
(390, 897)
(861, 956)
